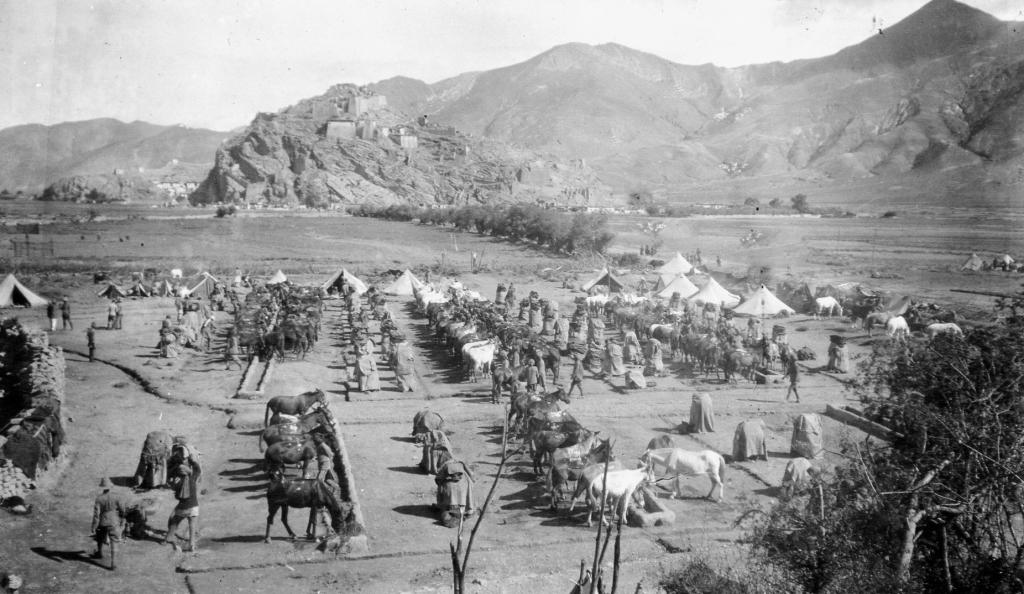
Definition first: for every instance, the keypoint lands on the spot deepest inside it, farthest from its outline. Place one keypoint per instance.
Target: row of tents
(404, 285)
(976, 263)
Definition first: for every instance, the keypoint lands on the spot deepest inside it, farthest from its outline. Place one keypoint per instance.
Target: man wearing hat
(108, 515)
(185, 473)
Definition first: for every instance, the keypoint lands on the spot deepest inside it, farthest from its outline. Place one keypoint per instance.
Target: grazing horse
(619, 485)
(933, 330)
(283, 453)
(278, 431)
(567, 464)
(678, 462)
(294, 405)
(297, 492)
(897, 328)
(878, 318)
(828, 306)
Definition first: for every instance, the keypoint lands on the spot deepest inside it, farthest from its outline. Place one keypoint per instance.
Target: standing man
(185, 474)
(577, 375)
(532, 376)
(206, 331)
(231, 351)
(117, 313)
(90, 337)
(108, 515)
(793, 373)
(65, 314)
(111, 314)
(51, 312)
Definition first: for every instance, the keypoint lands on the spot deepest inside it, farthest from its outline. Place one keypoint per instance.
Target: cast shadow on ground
(403, 439)
(123, 481)
(62, 556)
(407, 469)
(419, 511)
(240, 538)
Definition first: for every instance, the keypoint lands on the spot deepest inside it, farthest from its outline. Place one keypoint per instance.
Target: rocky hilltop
(936, 97)
(349, 146)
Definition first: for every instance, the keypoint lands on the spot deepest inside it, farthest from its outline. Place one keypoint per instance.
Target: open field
(522, 546)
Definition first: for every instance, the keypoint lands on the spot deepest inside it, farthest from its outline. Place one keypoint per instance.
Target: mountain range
(929, 109)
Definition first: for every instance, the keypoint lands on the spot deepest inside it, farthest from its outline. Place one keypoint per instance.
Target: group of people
(64, 308)
(116, 513)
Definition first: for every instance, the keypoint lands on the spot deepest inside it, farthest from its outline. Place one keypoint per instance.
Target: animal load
(837, 340)
(152, 469)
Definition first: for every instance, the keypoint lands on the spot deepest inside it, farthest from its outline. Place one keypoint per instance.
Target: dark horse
(551, 356)
(298, 492)
(524, 406)
(321, 417)
(567, 464)
(294, 405)
(283, 453)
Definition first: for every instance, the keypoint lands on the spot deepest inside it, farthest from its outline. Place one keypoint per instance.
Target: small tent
(404, 284)
(712, 292)
(278, 278)
(677, 266)
(1005, 260)
(350, 280)
(973, 263)
(163, 288)
(200, 286)
(681, 285)
(604, 279)
(112, 291)
(139, 289)
(15, 294)
(763, 303)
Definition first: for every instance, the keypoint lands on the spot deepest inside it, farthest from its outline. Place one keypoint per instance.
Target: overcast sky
(215, 63)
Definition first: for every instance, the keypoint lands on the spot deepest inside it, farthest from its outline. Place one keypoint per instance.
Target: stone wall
(33, 382)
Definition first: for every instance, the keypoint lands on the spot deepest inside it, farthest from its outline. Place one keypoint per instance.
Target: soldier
(118, 313)
(65, 314)
(90, 337)
(108, 515)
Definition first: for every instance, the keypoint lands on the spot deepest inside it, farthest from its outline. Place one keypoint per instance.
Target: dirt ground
(522, 546)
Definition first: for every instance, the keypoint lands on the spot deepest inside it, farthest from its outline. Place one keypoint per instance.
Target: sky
(216, 63)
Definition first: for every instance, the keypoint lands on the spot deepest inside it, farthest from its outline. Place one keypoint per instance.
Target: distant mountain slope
(34, 156)
(937, 92)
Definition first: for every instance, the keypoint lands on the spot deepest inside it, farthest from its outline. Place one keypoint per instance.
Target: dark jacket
(109, 510)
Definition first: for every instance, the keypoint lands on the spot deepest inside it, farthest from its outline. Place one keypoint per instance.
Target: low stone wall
(33, 375)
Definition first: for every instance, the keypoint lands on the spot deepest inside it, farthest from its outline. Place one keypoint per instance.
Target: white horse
(478, 357)
(678, 462)
(621, 484)
(933, 330)
(827, 306)
(897, 328)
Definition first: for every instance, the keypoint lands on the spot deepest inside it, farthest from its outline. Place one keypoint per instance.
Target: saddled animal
(284, 453)
(479, 356)
(878, 318)
(950, 328)
(616, 485)
(737, 362)
(294, 405)
(525, 406)
(827, 306)
(897, 328)
(668, 335)
(567, 465)
(278, 431)
(678, 462)
(544, 443)
(424, 422)
(551, 357)
(283, 493)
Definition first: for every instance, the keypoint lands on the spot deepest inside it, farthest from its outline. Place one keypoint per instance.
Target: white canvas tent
(13, 293)
(200, 286)
(677, 266)
(278, 278)
(973, 263)
(350, 280)
(763, 303)
(681, 285)
(1005, 259)
(712, 292)
(404, 284)
(604, 279)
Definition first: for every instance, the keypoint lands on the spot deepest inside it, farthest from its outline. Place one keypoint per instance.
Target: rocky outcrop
(33, 382)
(291, 158)
(104, 187)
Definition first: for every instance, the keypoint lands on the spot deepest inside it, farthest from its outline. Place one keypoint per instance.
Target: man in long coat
(402, 360)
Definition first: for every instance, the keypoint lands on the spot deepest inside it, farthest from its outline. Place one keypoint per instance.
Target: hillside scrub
(564, 233)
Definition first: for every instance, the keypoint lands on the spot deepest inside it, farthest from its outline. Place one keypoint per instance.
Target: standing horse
(294, 405)
(567, 464)
(278, 431)
(678, 462)
(283, 493)
(283, 453)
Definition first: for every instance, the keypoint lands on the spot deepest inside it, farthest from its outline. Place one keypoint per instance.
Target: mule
(567, 464)
(678, 462)
(618, 485)
(307, 423)
(284, 493)
(283, 453)
(294, 405)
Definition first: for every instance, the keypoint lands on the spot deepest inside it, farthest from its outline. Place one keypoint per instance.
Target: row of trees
(562, 232)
